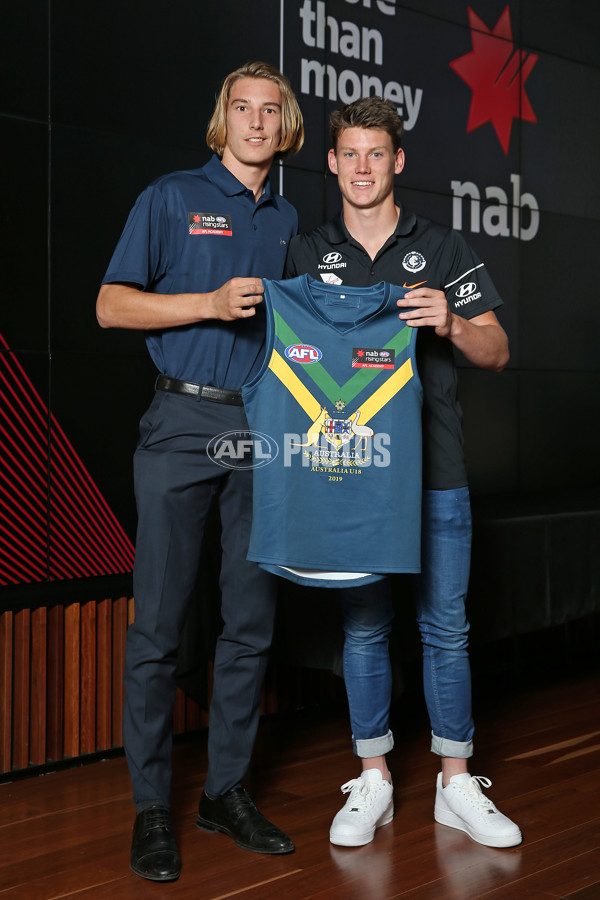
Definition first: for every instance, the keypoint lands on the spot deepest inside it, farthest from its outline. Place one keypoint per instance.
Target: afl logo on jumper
(414, 261)
(303, 353)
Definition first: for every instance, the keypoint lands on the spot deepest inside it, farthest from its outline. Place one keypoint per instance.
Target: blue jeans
(367, 616)
(440, 592)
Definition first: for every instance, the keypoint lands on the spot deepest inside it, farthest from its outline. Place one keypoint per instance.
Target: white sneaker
(463, 805)
(370, 805)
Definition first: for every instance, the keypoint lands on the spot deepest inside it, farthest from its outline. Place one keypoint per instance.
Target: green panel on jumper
(321, 377)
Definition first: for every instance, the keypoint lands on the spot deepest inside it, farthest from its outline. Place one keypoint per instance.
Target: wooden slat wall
(21, 683)
(104, 673)
(61, 683)
(39, 657)
(55, 680)
(6, 645)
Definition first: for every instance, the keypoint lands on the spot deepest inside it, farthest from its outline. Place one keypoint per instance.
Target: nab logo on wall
(496, 72)
(340, 50)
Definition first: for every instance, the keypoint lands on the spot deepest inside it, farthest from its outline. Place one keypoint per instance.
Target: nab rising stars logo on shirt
(209, 223)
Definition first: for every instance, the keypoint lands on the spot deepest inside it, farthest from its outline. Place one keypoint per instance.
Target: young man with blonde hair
(451, 302)
(187, 270)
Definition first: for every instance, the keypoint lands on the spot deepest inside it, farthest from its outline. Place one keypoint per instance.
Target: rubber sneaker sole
(364, 837)
(447, 817)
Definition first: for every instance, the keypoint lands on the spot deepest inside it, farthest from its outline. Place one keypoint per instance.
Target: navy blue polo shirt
(191, 231)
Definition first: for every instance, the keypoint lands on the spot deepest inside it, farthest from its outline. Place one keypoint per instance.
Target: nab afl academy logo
(414, 261)
(303, 353)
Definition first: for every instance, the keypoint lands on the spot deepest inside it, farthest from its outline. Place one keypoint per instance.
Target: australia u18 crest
(337, 431)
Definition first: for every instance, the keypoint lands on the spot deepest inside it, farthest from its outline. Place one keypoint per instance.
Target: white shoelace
(359, 790)
(473, 789)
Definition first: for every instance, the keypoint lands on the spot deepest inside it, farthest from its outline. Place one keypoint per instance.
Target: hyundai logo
(330, 258)
(465, 289)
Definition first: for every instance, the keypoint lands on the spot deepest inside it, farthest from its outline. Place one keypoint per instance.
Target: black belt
(205, 391)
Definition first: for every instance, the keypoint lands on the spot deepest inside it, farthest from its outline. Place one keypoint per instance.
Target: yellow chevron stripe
(279, 367)
(385, 393)
(312, 407)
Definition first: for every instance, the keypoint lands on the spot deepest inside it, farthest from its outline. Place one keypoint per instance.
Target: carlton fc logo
(303, 353)
(414, 261)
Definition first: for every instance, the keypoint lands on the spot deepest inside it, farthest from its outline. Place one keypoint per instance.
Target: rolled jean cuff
(456, 749)
(369, 747)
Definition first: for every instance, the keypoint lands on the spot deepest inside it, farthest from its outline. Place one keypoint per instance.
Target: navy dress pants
(175, 483)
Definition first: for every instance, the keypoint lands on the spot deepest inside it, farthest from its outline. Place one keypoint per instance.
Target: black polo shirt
(419, 252)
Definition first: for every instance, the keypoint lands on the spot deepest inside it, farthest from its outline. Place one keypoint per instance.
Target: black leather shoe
(235, 813)
(154, 853)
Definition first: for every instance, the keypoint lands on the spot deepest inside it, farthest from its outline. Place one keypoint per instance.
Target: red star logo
(496, 73)
(196, 218)
(360, 353)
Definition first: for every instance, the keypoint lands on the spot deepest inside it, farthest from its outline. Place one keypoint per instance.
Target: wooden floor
(67, 834)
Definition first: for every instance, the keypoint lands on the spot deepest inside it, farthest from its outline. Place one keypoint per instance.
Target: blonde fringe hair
(292, 127)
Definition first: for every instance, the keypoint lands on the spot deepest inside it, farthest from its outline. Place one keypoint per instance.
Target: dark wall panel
(151, 69)
(24, 234)
(564, 28)
(487, 10)
(306, 190)
(559, 437)
(490, 404)
(24, 59)
(559, 157)
(559, 313)
(96, 178)
(98, 400)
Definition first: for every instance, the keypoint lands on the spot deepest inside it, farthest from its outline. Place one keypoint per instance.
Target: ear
(332, 161)
(400, 159)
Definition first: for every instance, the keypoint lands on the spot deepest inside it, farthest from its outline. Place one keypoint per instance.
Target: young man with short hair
(187, 270)
(375, 239)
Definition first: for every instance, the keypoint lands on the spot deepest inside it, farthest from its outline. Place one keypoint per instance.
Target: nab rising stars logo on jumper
(496, 73)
